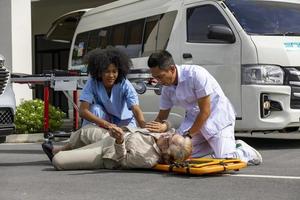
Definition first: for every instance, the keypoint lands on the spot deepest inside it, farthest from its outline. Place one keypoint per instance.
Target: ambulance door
(221, 57)
(63, 28)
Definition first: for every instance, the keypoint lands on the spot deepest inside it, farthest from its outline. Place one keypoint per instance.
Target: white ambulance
(252, 48)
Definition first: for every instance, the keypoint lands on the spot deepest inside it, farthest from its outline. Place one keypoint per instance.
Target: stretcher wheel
(140, 87)
(157, 89)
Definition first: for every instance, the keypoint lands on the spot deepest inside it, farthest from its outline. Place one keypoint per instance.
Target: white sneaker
(255, 156)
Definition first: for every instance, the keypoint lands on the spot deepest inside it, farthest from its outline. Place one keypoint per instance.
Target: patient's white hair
(180, 148)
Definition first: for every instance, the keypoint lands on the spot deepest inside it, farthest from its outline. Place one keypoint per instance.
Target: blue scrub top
(118, 105)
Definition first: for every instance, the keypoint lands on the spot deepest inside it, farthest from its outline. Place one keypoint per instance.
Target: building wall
(5, 31)
(21, 45)
(15, 40)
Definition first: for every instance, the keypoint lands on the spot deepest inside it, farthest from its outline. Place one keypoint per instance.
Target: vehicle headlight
(262, 75)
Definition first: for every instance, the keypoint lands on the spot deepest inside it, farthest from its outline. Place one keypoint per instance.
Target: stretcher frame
(64, 81)
(201, 166)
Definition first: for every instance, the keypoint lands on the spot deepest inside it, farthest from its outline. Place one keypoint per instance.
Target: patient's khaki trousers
(87, 147)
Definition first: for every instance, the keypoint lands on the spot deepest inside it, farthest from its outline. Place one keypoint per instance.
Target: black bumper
(7, 129)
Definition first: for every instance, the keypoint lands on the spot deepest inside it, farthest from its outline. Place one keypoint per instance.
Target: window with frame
(93, 40)
(104, 35)
(80, 48)
(157, 32)
(166, 23)
(135, 38)
(198, 20)
(118, 36)
(150, 35)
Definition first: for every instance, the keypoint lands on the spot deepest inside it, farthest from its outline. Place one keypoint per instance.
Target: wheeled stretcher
(201, 166)
(60, 80)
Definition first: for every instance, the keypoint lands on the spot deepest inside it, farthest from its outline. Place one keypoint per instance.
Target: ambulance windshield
(267, 17)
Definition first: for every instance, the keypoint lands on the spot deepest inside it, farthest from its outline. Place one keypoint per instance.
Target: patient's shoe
(47, 148)
(255, 156)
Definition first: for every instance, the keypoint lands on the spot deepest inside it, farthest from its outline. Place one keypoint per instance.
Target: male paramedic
(209, 116)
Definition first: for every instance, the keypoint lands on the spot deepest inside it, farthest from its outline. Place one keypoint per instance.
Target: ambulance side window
(104, 35)
(198, 20)
(118, 36)
(80, 48)
(150, 35)
(165, 28)
(93, 40)
(157, 32)
(135, 38)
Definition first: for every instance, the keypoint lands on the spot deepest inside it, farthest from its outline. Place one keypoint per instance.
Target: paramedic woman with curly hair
(108, 99)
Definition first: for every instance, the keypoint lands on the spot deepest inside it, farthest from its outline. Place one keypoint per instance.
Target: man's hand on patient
(117, 133)
(157, 127)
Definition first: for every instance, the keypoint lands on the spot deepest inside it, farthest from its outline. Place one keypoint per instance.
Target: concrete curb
(25, 138)
(31, 138)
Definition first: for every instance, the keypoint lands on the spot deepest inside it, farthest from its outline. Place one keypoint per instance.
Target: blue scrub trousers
(99, 111)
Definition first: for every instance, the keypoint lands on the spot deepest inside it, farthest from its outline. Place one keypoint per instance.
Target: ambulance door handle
(187, 55)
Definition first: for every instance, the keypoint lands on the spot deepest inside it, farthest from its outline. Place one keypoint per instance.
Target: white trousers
(220, 145)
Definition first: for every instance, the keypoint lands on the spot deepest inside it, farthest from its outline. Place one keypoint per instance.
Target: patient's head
(174, 147)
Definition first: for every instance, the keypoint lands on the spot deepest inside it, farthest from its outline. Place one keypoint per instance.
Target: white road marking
(264, 176)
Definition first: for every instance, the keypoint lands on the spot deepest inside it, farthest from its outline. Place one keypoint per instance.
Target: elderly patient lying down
(92, 147)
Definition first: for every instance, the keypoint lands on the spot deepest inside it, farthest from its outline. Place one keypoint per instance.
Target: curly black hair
(98, 61)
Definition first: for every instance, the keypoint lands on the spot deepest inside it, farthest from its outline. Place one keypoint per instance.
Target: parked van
(251, 47)
(7, 102)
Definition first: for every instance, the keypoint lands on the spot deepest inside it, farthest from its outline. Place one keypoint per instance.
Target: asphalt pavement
(26, 173)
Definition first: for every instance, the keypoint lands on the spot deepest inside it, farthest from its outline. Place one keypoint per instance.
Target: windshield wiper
(268, 34)
(291, 34)
(277, 34)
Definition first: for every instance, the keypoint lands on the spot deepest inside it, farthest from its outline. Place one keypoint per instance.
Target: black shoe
(47, 148)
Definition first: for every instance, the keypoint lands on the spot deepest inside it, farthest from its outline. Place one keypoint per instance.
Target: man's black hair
(162, 59)
(98, 61)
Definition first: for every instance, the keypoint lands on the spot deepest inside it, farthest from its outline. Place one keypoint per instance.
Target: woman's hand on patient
(109, 125)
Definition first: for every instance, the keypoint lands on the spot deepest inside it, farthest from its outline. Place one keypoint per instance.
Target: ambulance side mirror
(220, 32)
